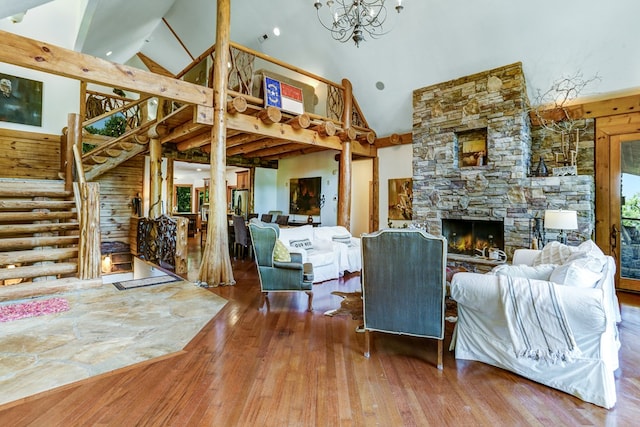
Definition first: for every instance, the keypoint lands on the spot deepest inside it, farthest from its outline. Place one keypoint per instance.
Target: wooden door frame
(608, 128)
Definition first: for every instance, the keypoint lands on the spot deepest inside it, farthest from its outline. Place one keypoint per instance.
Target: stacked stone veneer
(501, 189)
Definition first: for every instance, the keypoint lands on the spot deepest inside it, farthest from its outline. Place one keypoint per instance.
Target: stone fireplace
(471, 237)
(472, 156)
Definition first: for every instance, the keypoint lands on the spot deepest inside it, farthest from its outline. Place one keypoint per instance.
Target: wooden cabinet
(242, 180)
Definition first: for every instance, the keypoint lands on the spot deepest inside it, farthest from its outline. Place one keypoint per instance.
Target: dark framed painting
(20, 100)
(305, 195)
(401, 199)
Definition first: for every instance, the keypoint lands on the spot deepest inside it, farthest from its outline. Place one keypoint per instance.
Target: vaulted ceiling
(431, 41)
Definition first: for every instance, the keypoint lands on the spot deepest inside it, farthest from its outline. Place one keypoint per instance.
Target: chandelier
(353, 19)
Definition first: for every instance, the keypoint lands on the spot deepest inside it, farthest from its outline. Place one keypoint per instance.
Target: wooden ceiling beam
(153, 66)
(592, 107)
(51, 59)
(260, 144)
(252, 124)
(394, 139)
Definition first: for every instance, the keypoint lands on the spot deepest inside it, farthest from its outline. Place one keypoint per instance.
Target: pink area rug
(33, 308)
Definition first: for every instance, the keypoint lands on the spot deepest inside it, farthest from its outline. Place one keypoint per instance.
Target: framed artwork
(20, 100)
(305, 196)
(473, 147)
(401, 199)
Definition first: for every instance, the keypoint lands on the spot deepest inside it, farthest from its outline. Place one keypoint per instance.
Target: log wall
(118, 187)
(29, 155)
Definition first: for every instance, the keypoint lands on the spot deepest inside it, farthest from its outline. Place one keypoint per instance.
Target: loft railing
(323, 98)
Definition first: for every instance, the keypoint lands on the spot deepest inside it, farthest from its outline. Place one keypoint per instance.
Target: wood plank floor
(284, 366)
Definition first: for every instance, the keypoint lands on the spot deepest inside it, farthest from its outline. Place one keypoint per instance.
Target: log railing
(245, 66)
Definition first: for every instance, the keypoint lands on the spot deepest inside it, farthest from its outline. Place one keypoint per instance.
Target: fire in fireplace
(470, 237)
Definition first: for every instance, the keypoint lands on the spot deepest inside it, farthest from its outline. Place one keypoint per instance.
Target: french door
(618, 195)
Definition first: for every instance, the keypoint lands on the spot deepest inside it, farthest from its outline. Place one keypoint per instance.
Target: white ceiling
(431, 41)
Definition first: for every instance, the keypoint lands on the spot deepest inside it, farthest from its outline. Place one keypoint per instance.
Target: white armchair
(591, 313)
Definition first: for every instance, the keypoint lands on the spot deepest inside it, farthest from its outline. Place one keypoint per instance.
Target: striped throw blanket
(536, 320)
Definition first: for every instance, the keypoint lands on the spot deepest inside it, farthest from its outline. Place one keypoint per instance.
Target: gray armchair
(403, 284)
(278, 276)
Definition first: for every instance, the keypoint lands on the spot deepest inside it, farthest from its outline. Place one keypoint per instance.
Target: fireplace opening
(473, 237)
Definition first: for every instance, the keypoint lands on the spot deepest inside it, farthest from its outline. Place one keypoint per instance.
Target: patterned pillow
(280, 252)
(301, 244)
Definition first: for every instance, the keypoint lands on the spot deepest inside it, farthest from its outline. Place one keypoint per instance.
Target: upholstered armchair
(403, 284)
(278, 276)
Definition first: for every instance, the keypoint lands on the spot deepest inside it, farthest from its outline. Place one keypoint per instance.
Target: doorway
(618, 195)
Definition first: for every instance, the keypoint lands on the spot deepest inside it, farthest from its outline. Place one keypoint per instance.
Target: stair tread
(29, 271)
(37, 254)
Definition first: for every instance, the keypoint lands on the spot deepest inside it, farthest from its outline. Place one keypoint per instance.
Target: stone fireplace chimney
(472, 155)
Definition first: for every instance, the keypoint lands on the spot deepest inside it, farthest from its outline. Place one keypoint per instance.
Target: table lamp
(561, 220)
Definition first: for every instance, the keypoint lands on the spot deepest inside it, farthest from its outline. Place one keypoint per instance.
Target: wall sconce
(561, 220)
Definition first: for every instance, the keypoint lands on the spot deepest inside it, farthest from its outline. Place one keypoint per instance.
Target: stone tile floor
(105, 329)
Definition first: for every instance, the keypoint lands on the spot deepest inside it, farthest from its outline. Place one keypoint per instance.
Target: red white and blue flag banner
(283, 96)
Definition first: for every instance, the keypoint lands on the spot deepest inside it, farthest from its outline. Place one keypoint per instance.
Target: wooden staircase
(110, 152)
(39, 232)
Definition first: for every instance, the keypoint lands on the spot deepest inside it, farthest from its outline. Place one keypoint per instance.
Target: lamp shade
(561, 220)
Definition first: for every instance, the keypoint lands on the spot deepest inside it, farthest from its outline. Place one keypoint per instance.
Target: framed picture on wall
(20, 100)
(401, 199)
(305, 196)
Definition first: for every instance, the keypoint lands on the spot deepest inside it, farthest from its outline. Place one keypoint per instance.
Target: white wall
(395, 162)
(362, 175)
(56, 23)
(310, 166)
(265, 190)
(325, 166)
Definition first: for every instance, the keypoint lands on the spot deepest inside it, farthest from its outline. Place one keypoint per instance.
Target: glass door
(625, 212)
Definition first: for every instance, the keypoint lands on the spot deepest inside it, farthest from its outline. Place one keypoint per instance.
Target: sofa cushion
(281, 253)
(301, 244)
(575, 274)
(539, 272)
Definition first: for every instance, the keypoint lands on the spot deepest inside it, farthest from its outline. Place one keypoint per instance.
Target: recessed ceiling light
(276, 31)
(109, 53)
(199, 169)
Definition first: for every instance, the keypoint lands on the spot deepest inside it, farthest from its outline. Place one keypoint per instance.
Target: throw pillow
(554, 253)
(280, 252)
(343, 238)
(539, 272)
(572, 274)
(301, 244)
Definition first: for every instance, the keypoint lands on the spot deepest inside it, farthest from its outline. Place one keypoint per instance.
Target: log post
(89, 257)
(375, 196)
(216, 263)
(155, 168)
(170, 176)
(74, 137)
(344, 181)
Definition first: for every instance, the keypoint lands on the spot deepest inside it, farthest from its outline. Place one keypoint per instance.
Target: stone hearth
(472, 155)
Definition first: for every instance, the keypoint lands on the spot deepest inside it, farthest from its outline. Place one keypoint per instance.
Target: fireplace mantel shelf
(473, 259)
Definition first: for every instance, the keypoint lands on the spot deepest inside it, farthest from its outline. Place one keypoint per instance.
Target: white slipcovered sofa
(331, 250)
(578, 283)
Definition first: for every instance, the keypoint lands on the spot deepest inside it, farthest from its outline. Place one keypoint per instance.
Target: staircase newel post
(73, 137)
(89, 257)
